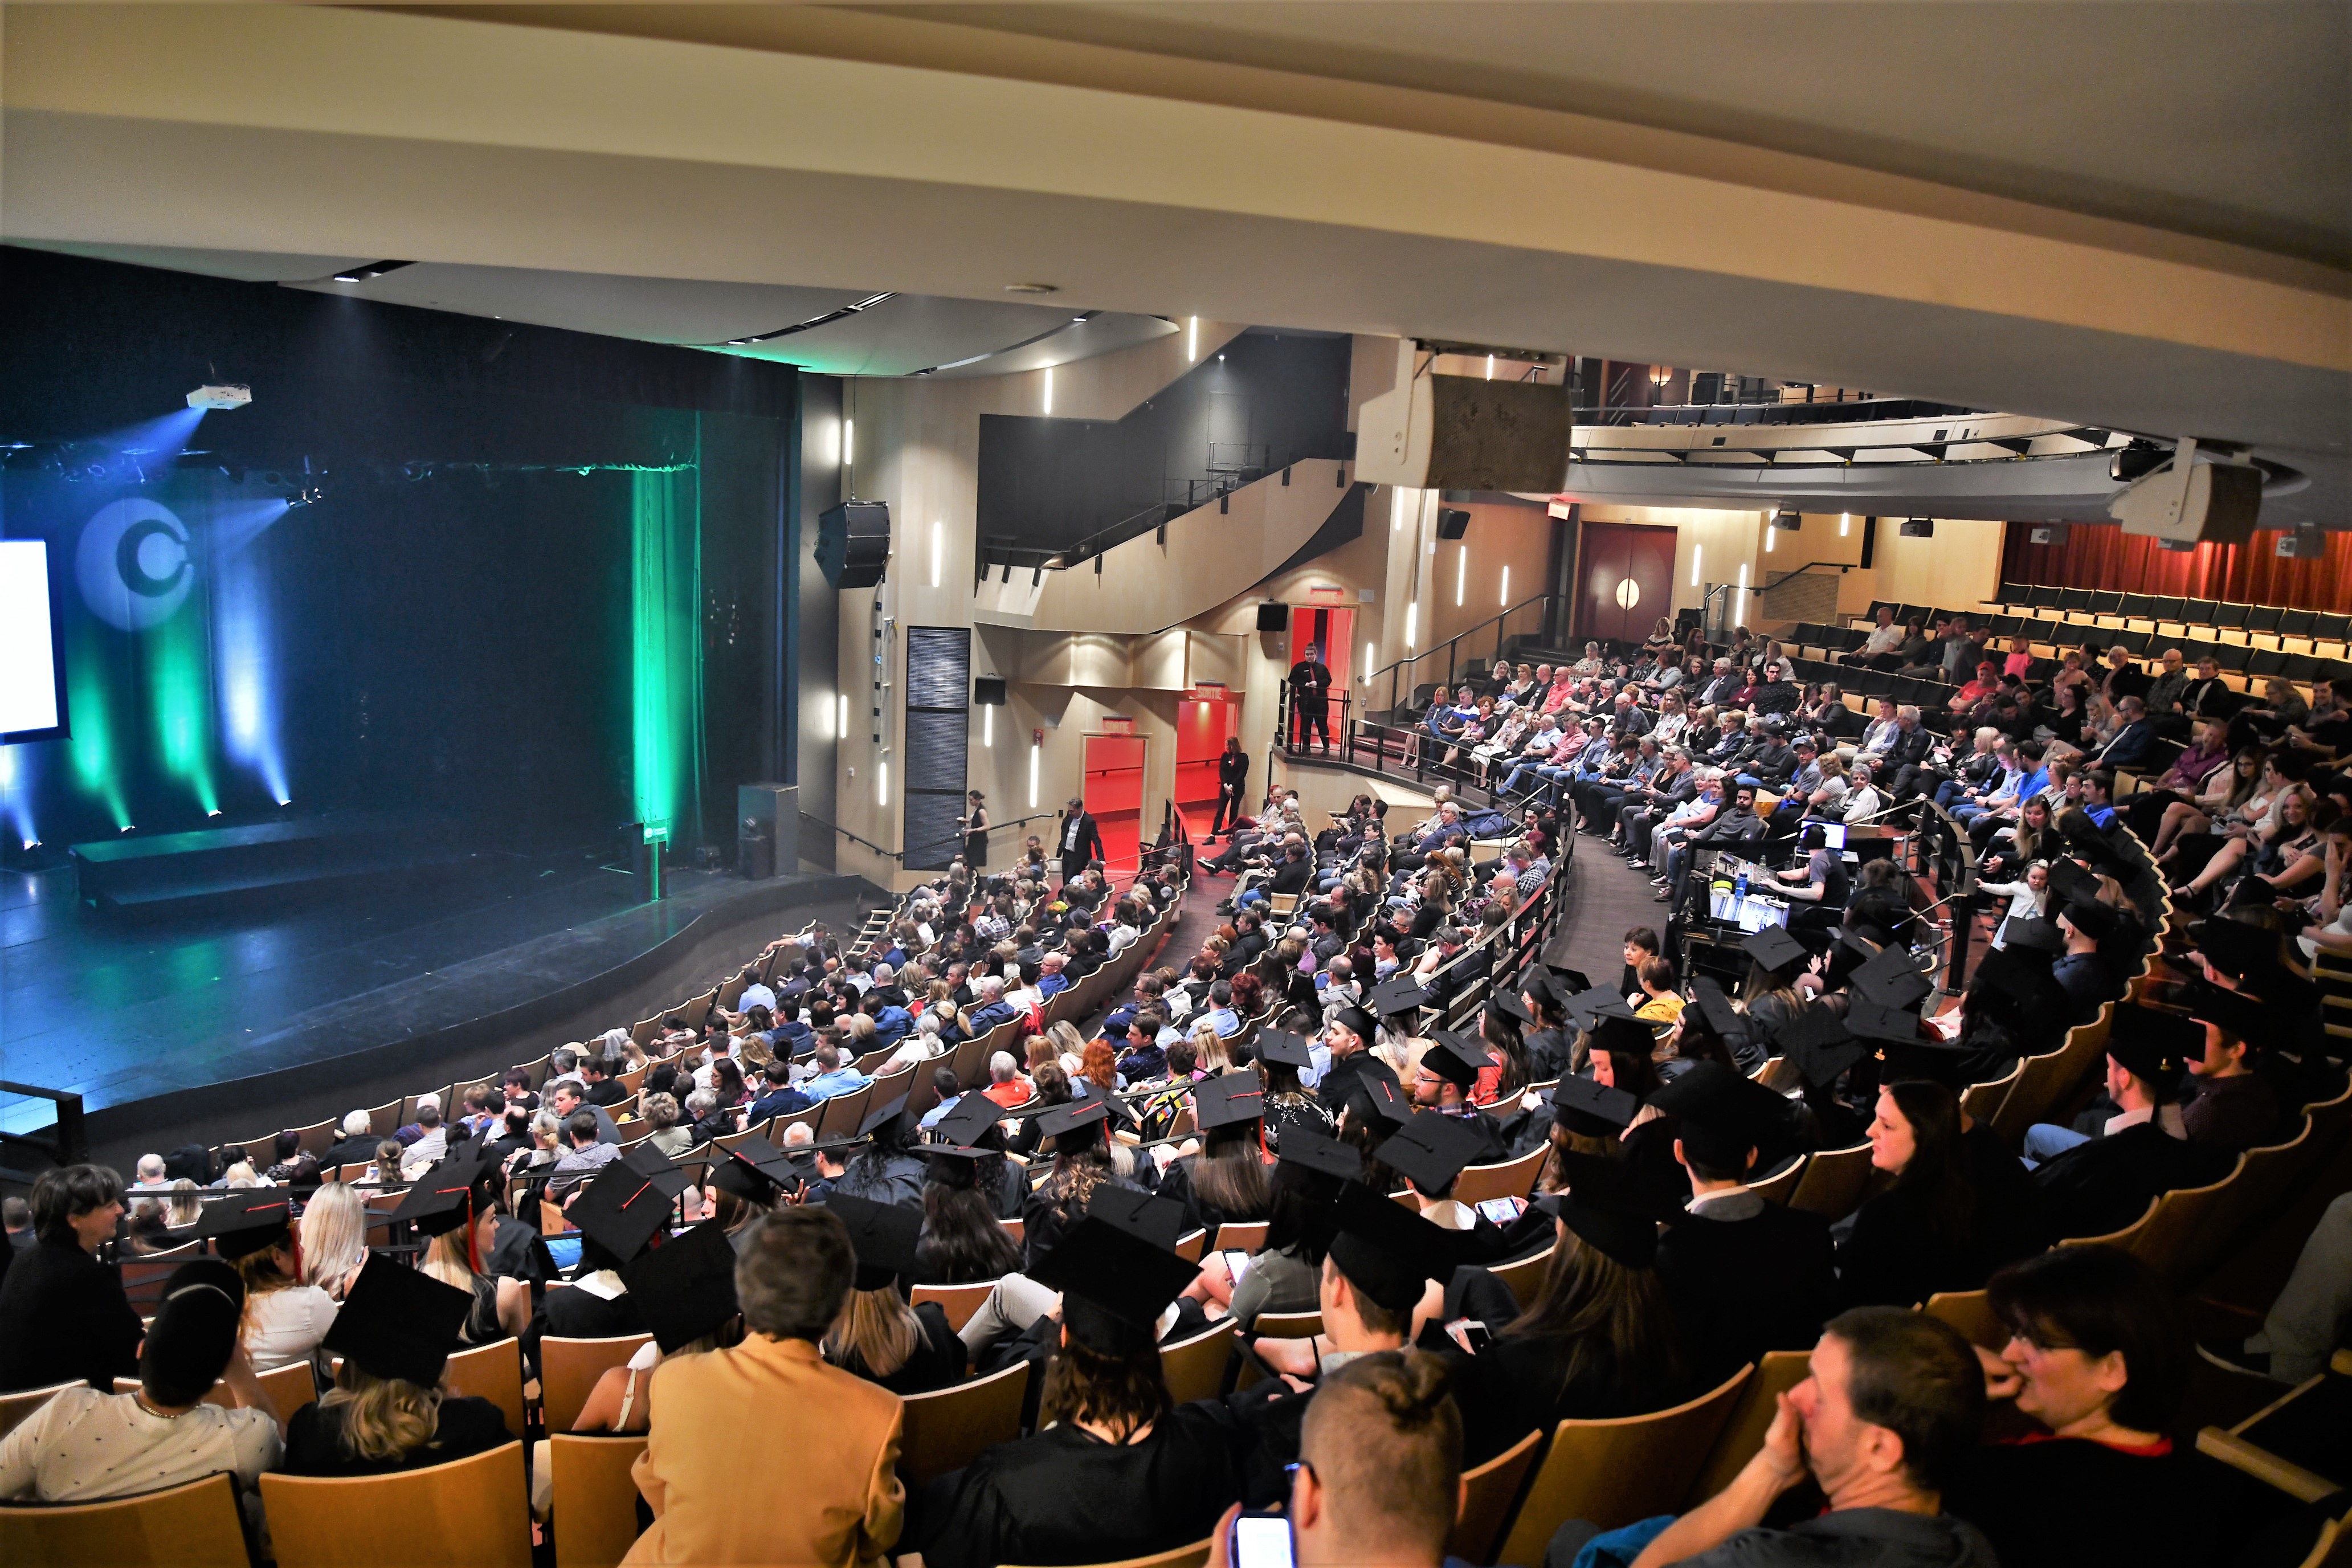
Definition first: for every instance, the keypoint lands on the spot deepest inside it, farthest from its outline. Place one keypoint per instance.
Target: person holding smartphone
(1379, 1477)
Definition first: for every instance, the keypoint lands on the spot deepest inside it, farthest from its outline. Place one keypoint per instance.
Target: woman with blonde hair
(1211, 1054)
(663, 1113)
(1068, 1043)
(389, 1409)
(334, 1238)
(906, 1350)
(185, 1206)
(501, 1306)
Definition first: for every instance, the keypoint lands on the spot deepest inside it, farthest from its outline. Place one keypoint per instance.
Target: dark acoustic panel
(935, 733)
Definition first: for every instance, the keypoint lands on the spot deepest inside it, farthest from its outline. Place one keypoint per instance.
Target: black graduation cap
(1456, 1058)
(1773, 947)
(1305, 1147)
(1356, 1021)
(1512, 1004)
(2154, 1044)
(2237, 949)
(1114, 1285)
(1605, 1111)
(953, 1165)
(1628, 1034)
(663, 1171)
(621, 1211)
(1603, 1209)
(971, 1119)
(1079, 1124)
(1720, 1097)
(1566, 982)
(2033, 935)
(1537, 981)
(1588, 1007)
(1284, 1049)
(2068, 883)
(2024, 974)
(1431, 1150)
(398, 1321)
(686, 1289)
(2092, 917)
(246, 1220)
(1864, 940)
(1866, 1020)
(1086, 1090)
(1817, 1040)
(884, 1236)
(1935, 1059)
(1398, 994)
(1892, 980)
(754, 1170)
(1160, 1221)
(447, 1197)
(1388, 1251)
(1229, 1099)
(881, 1117)
(1715, 1007)
(1381, 1100)
(2234, 1013)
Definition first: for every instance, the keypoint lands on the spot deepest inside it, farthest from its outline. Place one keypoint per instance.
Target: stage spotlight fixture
(373, 269)
(219, 398)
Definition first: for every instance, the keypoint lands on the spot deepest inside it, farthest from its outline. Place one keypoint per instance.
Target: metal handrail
(1843, 567)
(1448, 646)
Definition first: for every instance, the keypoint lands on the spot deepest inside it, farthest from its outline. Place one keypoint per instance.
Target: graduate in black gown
(618, 1214)
(884, 1172)
(1081, 1166)
(395, 1333)
(1116, 1468)
(977, 1123)
(879, 1336)
(1225, 1183)
(2099, 1187)
(1745, 1275)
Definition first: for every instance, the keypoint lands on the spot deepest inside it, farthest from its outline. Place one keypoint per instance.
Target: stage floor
(126, 1013)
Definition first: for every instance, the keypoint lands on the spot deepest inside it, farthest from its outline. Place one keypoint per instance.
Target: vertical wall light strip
(1191, 353)
(843, 733)
(1739, 605)
(1461, 575)
(1845, 521)
(1367, 662)
(1396, 508)
(1049, 389)
(988, 725)
(1412, 613)
(849, 443)
(1033, 773)
(1771, 536)
(1506, 600)
(1490, 367)
(1697, 551)
(882, 783)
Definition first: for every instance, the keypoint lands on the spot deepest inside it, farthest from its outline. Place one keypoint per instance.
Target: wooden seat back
(1192, 1556)
(1970, 1311)
(18, 1407)
(1510, 1179)
(1195, 1368)
(946, 1430)
(1752, 1416)
(1487, 1492)
(1525, 1278)
(594, 1500)
(958, 1301)
(190, 1526)
(1614, 1472)
(1241, 1236)
(1834, 1182)
(1781, 1184)
(468, 1513)
(491, 1372)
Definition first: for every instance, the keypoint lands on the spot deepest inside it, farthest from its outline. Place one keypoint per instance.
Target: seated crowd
(1292, 1074)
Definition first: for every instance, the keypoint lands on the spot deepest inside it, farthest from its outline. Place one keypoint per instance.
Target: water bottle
(1739, 889)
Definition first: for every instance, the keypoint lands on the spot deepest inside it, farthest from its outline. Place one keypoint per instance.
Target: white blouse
(282, 1327)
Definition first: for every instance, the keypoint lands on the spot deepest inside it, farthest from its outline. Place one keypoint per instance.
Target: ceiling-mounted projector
(218, 398)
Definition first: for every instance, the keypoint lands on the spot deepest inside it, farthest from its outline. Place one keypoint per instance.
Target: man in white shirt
(151, 1174)
(84, 1446)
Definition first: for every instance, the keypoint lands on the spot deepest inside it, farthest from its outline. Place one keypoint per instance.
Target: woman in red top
(2098, 1355)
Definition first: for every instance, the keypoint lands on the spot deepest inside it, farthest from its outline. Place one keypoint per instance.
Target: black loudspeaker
(987, 692)
(853, 543)
(1272, 617)
(1918, 528)
(1451, 522)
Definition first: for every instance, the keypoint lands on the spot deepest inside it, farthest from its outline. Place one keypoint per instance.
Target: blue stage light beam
(246, 649)
(16, 793)
(158, 438)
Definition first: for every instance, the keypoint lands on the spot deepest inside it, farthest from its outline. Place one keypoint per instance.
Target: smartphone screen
(1502, 1211)
(1237, 1265)
(1470, 1333)
(1261, 1541)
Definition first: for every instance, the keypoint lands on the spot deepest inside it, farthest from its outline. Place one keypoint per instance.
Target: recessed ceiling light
(1033, 288)
(371, 269)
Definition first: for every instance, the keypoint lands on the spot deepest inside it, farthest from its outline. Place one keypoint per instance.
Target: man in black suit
(1310, 700)
(1081, 839)
(1744, 1275)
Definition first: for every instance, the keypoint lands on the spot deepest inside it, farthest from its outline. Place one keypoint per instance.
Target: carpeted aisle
(1606, 898)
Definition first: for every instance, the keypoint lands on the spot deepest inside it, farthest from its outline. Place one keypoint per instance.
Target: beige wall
(1958, 569)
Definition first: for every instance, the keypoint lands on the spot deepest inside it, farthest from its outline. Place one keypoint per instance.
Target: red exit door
(1114, 797)
(1626, 580)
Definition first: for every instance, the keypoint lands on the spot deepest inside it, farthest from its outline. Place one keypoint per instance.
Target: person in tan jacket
(845, 1503)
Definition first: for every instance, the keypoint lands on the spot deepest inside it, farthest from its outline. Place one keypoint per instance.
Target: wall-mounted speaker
(1917, 528)
(2190, 502)
(987, 692)
(1274, 617)
(1451, 522)
(2305, 541)
(2049, 533)
(853, 543)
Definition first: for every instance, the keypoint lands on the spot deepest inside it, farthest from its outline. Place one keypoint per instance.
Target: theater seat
(1488, 1493)
(191, 1526)
(595, 1500)
(946, 1429)
(469, 1513)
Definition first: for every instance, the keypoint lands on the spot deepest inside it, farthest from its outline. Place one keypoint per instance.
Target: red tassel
(473, 1246)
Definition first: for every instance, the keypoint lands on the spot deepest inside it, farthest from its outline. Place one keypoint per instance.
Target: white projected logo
(133, 565)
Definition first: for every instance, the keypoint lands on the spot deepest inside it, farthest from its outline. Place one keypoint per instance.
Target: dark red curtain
(2102, 556)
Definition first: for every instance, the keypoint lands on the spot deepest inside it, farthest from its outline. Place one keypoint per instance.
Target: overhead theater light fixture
(373, 269)
(216, 399)
(812, 322)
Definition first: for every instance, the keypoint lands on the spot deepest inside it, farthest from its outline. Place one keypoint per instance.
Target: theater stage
(176, 1027)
